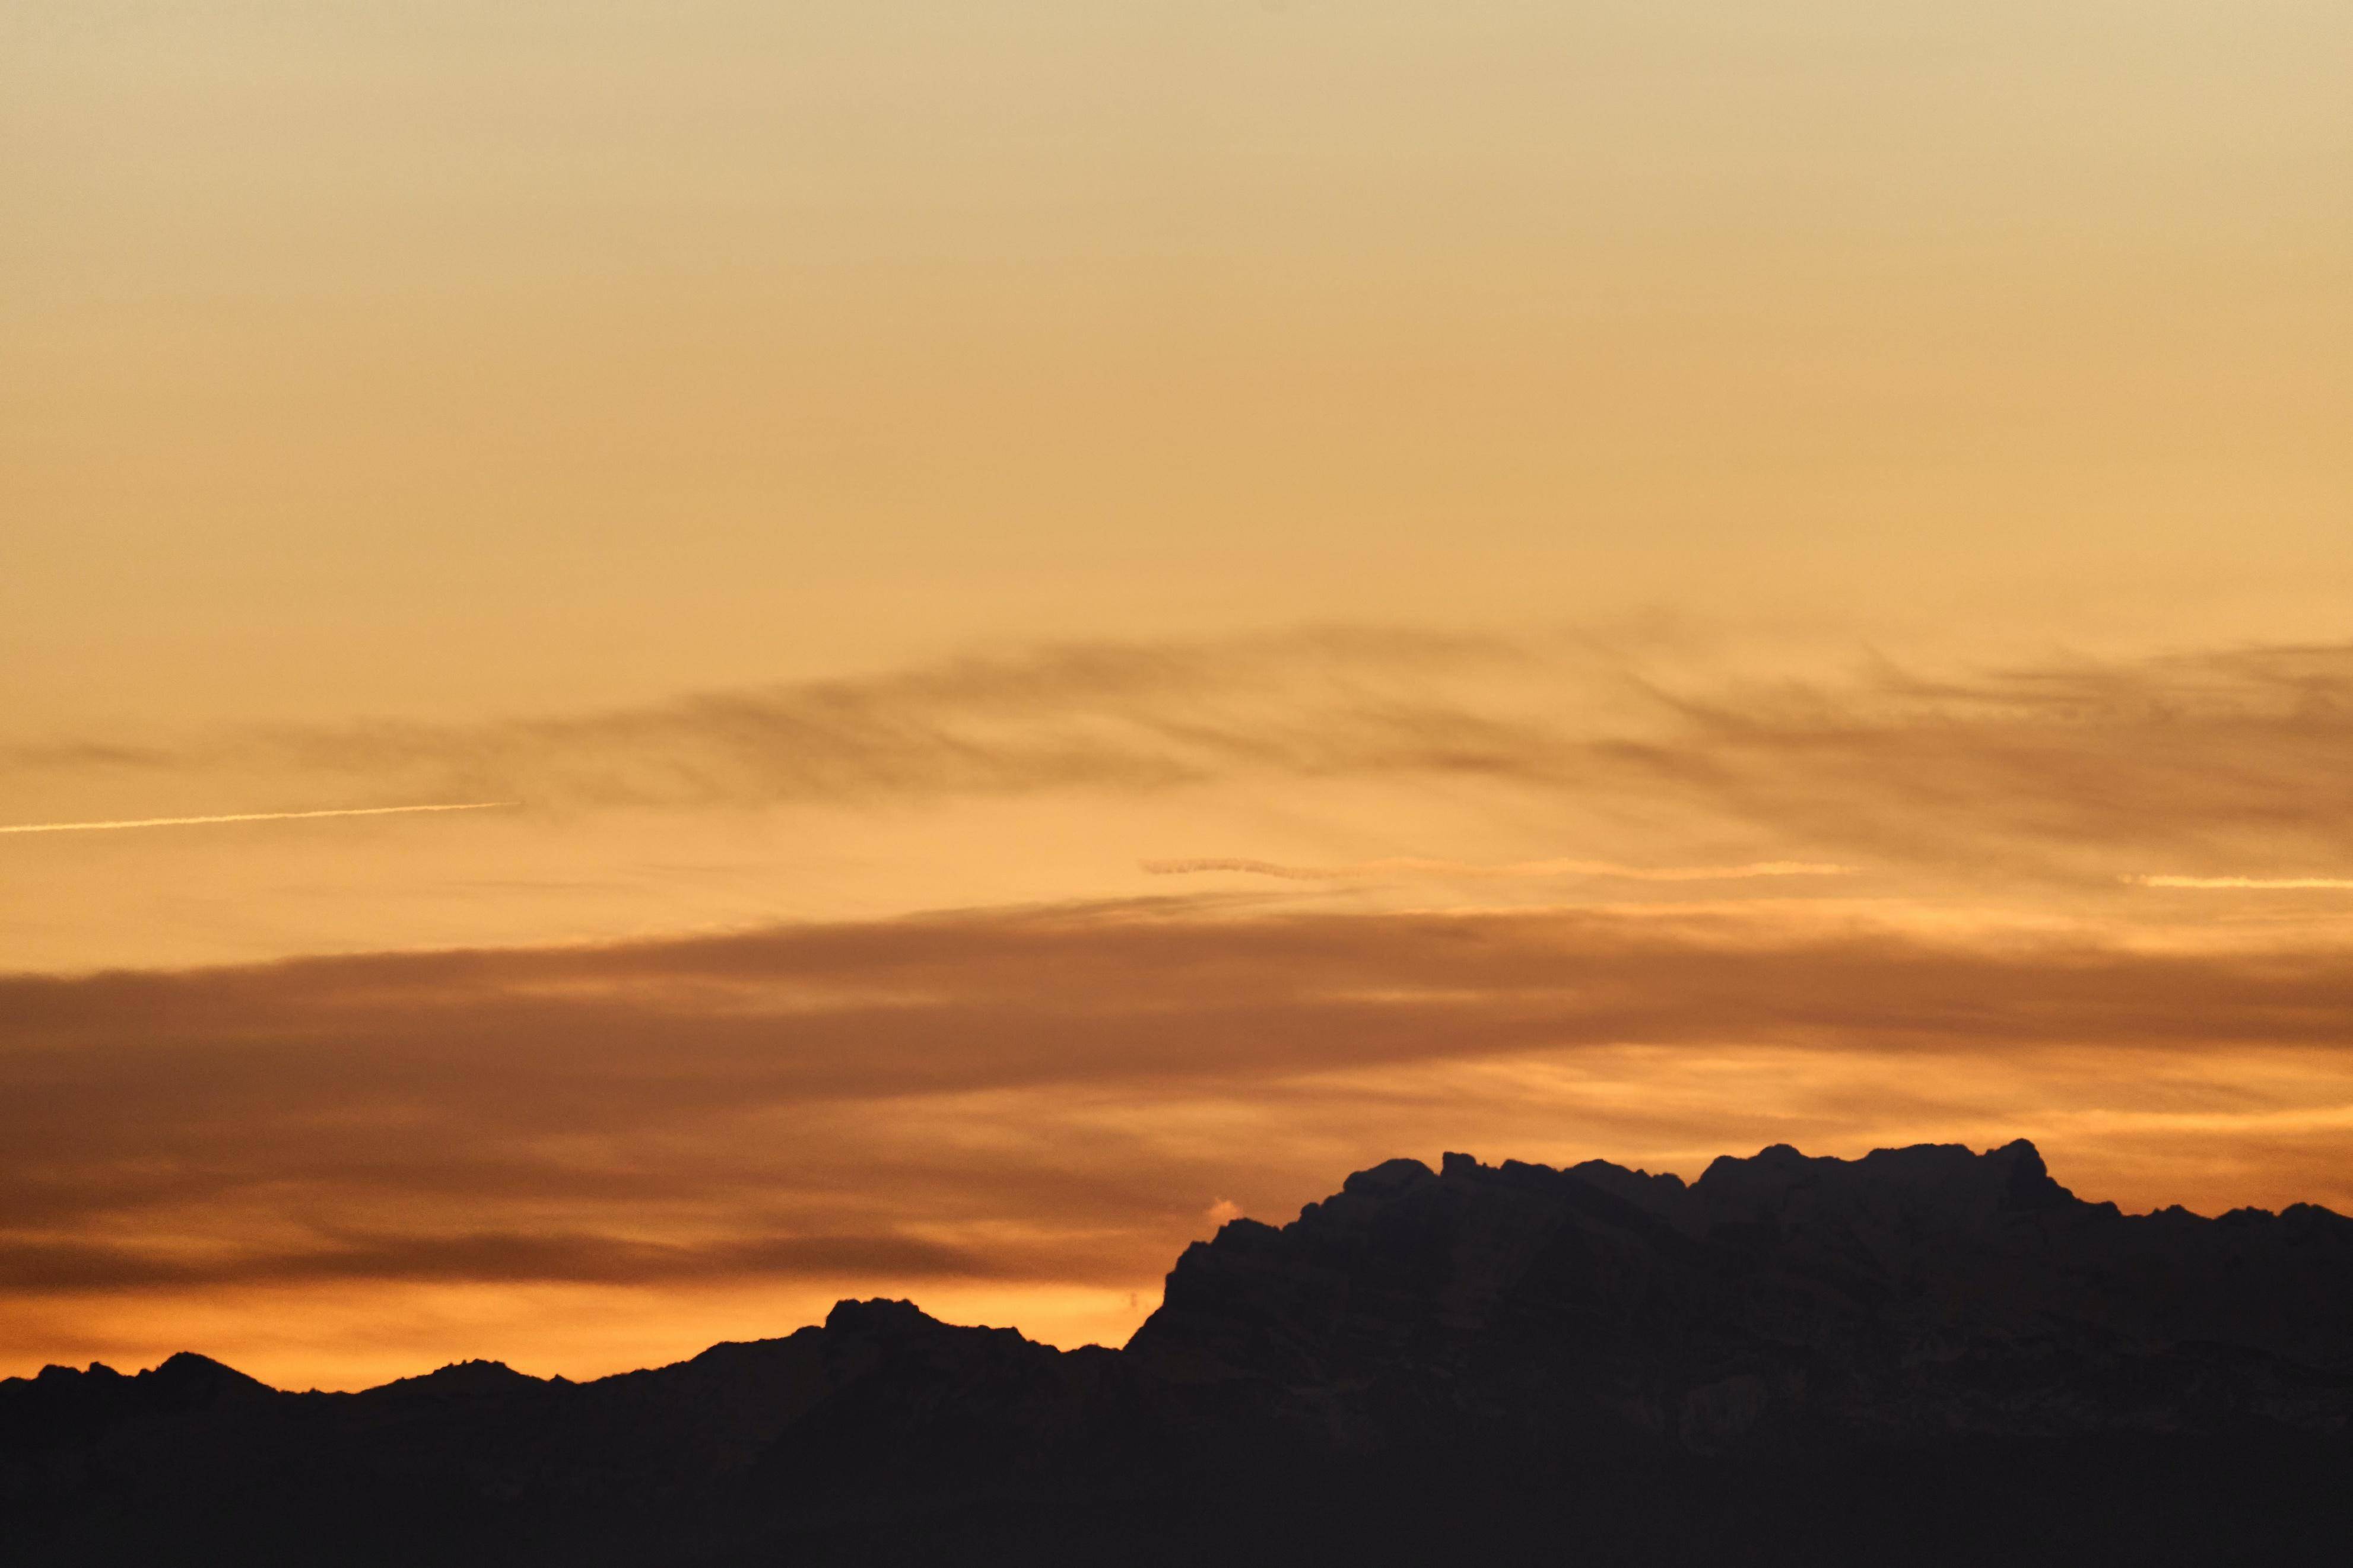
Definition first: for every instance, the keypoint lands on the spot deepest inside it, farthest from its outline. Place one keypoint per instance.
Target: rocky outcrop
(1912, 1293)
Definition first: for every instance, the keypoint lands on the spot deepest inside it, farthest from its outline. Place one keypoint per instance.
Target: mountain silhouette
(1926, 1356)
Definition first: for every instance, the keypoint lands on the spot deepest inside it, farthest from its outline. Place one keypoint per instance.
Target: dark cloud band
(867, 1099)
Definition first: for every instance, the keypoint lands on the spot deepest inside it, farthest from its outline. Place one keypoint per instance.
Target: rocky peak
(879, 1319)
(188, 1379)
(1391, 1177)
(469, 1379)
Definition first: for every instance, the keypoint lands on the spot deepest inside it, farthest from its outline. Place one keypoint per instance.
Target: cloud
(2223, 764)
(1518, 868)
(524, 1257)
(2336, 883)
(1060, 1094)
(1110, 716)
(247, 816)
(2222, 757)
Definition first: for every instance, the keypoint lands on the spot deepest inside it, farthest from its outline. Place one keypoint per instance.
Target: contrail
(1517, 869)
(2242, 881)
(248, 817)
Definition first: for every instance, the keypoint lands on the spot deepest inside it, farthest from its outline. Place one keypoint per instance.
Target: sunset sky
(1060, 621)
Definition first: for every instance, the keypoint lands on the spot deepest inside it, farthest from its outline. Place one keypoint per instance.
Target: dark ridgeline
(1923, 1356)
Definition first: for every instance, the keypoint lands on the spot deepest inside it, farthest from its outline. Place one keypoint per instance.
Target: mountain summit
(1923, 1356)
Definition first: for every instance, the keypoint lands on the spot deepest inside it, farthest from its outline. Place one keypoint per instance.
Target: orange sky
(1076, 619)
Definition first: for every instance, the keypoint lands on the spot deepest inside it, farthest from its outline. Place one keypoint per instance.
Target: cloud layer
(2090, 903)
(2207, 765)
(1058, 1094)
(1471, 870)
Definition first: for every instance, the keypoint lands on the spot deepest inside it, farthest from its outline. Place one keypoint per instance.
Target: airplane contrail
(1517, 869)
(2242, 881)
(248, 817)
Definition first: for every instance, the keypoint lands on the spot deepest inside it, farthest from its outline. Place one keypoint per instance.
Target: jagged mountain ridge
(1880, 1293)
(1425, 1357)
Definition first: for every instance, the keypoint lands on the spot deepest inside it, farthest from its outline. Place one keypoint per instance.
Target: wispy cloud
(247, 816)
(1105, 716)
(1410, 867)
(2335, 882)
(2222, 764)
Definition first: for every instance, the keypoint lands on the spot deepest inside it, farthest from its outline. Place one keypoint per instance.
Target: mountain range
(1926, 1356)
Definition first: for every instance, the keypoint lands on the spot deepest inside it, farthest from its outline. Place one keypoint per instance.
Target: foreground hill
(1923, 1356)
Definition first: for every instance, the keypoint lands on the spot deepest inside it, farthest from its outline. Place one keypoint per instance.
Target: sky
(1035, 626)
